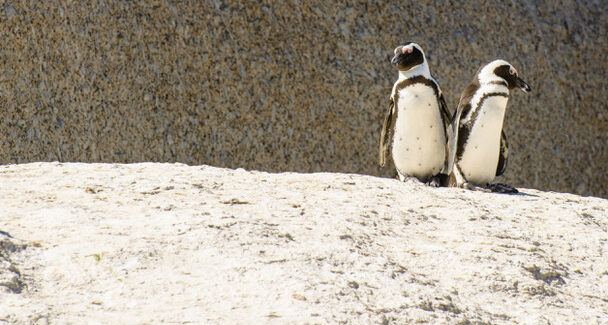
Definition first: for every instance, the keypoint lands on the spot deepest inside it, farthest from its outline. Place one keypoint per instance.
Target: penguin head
(502, 71)
(407, 56)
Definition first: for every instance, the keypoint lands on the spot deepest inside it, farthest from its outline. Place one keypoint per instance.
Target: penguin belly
(419, 138)
(479, 159)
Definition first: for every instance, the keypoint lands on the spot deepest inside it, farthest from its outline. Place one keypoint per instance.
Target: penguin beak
(398, 57)
(522, 85)
(395, 59)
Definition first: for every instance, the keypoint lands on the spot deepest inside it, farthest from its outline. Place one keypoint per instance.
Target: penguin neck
(419, 70)
(488, 82)
(494, 86)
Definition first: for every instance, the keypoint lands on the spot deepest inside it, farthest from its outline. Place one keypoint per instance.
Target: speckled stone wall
(292, 86)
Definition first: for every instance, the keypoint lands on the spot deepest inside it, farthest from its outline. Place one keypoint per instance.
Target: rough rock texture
(292, 86)
(169, 243)
(10, 276)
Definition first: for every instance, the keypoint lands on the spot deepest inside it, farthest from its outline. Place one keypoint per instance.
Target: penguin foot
(405, 178)
(438, 180)
(412, 179)
(472, 187)
(502, 188)
(434, 182)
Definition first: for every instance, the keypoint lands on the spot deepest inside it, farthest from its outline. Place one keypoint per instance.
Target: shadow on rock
(10, 276)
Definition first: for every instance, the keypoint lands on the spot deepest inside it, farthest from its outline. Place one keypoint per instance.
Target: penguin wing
(465, 99)
(385, 134)
(503, 156)
(445, 117)
(445, 112)
(454, 141)
(443, 107)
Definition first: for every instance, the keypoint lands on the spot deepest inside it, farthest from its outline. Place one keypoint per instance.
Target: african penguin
(416, 120)
(481, 150)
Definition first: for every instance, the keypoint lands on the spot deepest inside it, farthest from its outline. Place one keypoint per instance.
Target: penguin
(416, 121)
(481, 150)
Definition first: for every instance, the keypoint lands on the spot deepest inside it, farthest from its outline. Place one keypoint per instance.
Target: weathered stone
(280, 86)
(170, 243)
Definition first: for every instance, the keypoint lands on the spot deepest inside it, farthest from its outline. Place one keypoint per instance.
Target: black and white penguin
(416, 120)
(481, 150)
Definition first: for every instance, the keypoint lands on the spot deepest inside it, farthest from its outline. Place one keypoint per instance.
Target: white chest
(419, 138)
(479, 160)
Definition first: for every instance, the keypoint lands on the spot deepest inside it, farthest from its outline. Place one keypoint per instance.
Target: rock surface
(286, 86)
(171, 243)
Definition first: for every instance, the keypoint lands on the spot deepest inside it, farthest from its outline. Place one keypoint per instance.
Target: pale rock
(171, 243)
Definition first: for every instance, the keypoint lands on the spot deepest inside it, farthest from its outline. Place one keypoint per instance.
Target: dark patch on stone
(10, 276)
(235, 202)
(548, 276)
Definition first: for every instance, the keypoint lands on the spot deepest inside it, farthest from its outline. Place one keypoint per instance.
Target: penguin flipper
(385, 134)
(503, 156)
(453, 141)
(450, 135)
(445, 112)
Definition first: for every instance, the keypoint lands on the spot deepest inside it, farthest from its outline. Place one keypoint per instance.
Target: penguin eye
(513, 71)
